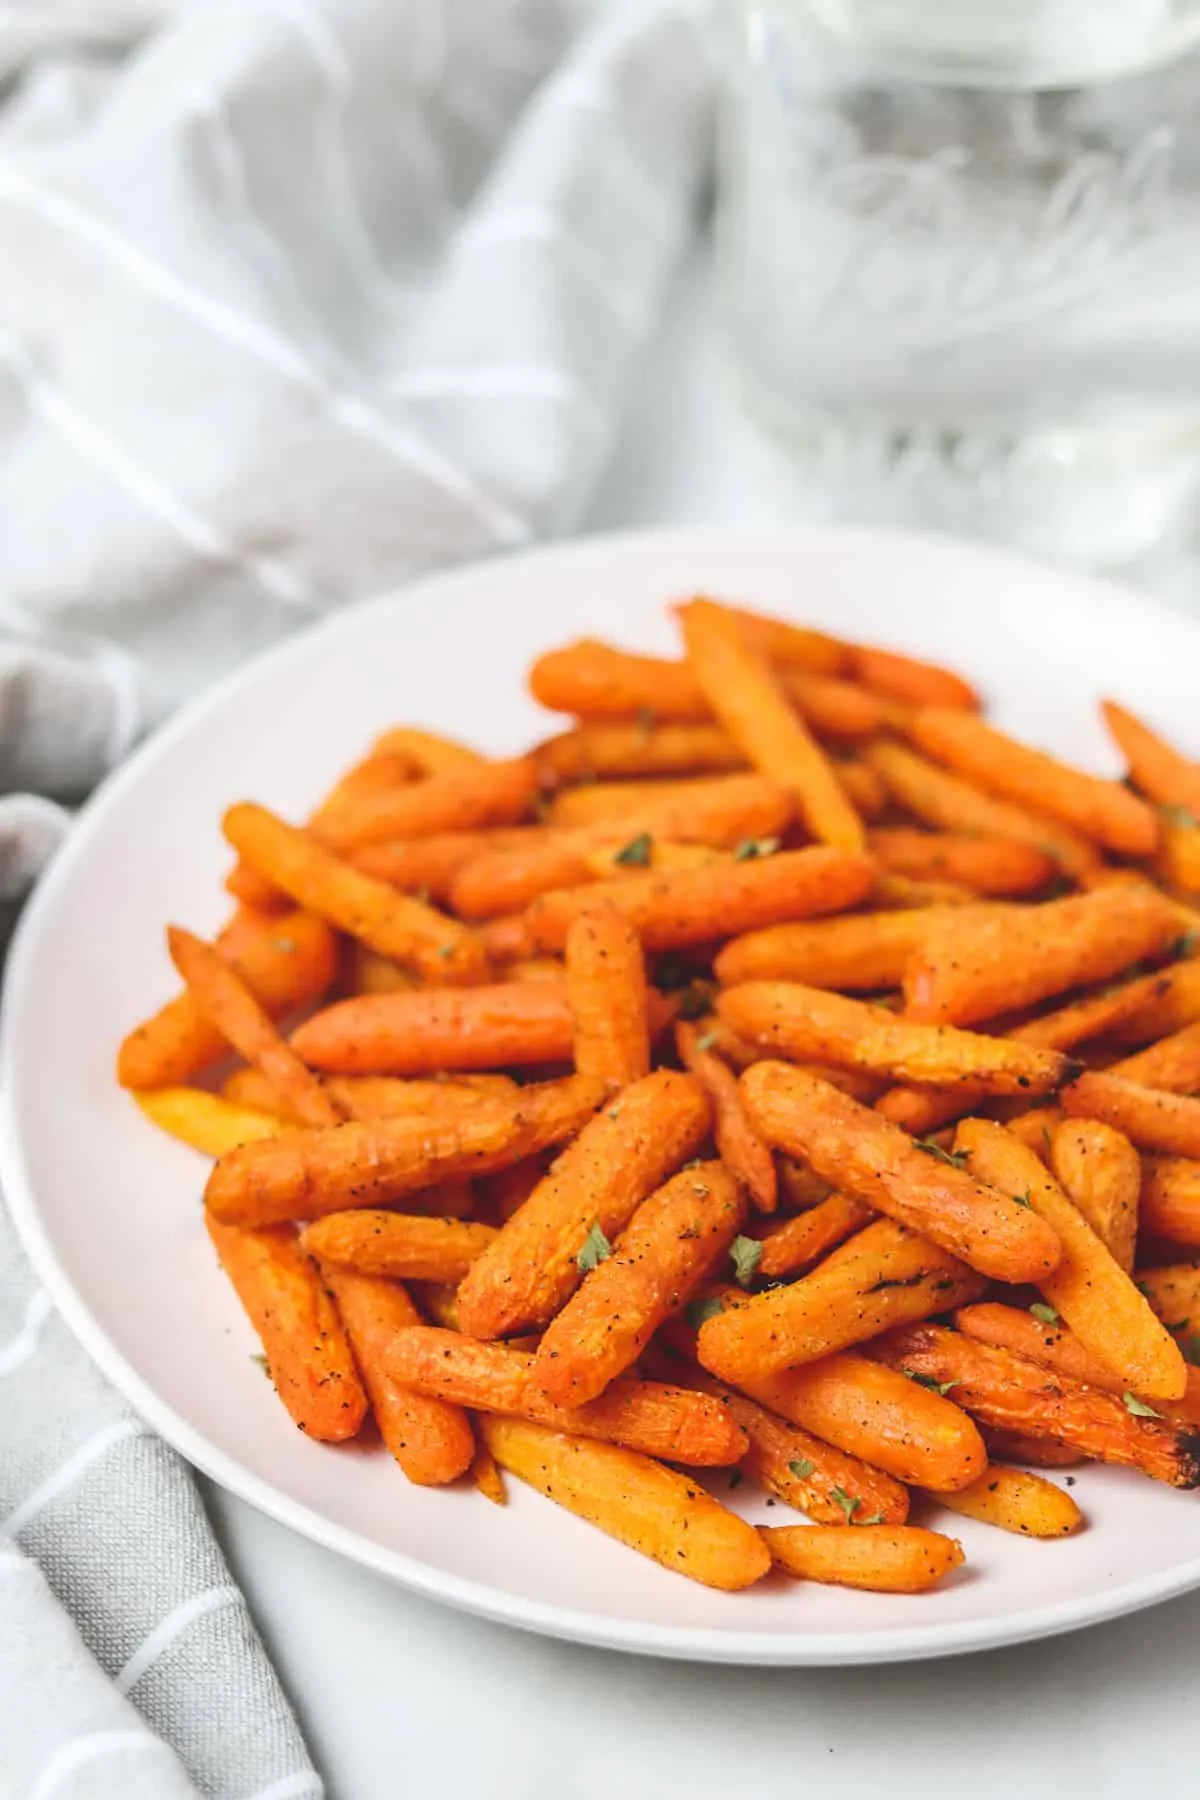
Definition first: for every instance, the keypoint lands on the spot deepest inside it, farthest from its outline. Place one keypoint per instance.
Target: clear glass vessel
(959, 246)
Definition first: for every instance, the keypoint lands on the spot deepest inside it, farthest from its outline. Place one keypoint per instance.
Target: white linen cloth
(298, 298)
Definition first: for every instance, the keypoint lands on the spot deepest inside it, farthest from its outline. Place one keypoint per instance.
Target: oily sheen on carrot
(308, 1354)
(677, 907)
(431, 1439)
(618, 1158)
(665, 1516)
(865, 1155)
(672, 1240)
(305, 1174)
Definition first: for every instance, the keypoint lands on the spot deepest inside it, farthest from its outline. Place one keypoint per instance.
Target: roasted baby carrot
(207, 1122)
(842, 711)
(803, 1472)
(1174, 1293)
(858, 1405)
(1173, 1063)
(451, 1028)
(885, 1276)
(1100, 1172)
(664, 1515)
(373, 1096)
(403, 1246)
(793, 646)
(856, 1150)
(746, 696)
(861, 786)
(305, 1174)
(395, 924)
(595, 1186)
(1016, 1501)
(639, 748)
(797, 1242)
(430, 752)
(309, 1358)
(947, 803)
(738, 1144)
(910, 679)
(1170, 1197)
(431, 1439)
(1088, 1287)
(1169, 1123)
(683, 906)
(999, 866)
(1156, 768)
(607, 997)
(467, 799)
(884, 1559)
(670, 1243)
(285, 961)
(429, 865)
(224, 997)
(809, 1023)
(1012, 1393)
(1177, 864)
(1101, 810)
(867, 950)
(1042, 1336)
(976, 964)
(596, 681)
(1165, 1002)
(657, 1418)
(720, 810)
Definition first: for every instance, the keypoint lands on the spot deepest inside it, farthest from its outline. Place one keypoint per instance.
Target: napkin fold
(300, 299)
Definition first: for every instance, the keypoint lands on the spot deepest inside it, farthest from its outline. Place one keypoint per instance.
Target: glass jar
(959, 248)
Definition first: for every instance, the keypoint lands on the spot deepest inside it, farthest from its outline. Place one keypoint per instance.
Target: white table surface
(401, 1698)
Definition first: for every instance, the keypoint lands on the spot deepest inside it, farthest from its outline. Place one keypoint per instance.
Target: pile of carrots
(778, 1071)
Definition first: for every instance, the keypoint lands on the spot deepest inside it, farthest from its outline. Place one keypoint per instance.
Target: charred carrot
(1011, 1393)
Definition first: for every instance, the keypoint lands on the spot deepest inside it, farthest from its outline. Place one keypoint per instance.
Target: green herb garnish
(594, 1250)
(802, 1468)
(707, 1041)
(752, 849)
(849, 1503)
(637, 852)
(1179, 815)
(1138, 1408)
(1045, 1313)
(745, 1254)
(931, 1382)
(957, 1159)
(698, 1310)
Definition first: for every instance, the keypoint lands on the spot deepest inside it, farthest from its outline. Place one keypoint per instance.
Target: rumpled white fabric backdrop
(298, 298)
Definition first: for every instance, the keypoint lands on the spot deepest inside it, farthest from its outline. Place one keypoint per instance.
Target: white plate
(109, 1210)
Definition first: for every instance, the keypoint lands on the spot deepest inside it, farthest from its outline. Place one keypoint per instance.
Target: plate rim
(684, 1642)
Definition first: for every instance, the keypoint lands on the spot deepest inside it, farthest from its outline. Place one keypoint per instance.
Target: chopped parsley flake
(699, 1310)
(1045, 1313)
(745, 1254)
(637, 852)
(594, 1250)
(1138, 1408)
